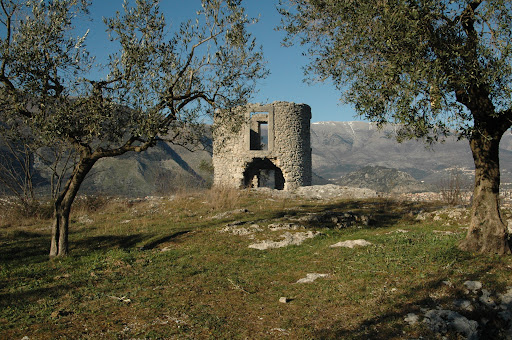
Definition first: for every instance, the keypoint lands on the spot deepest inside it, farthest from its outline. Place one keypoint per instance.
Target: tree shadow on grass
(378, 213)
(22, 247)
(391, 323)
(105, 242)
(140, 241)
(153, 243)
(26, 248)
(30, 296)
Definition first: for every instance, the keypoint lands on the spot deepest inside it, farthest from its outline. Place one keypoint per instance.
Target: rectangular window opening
(263, 135)
(259, 131)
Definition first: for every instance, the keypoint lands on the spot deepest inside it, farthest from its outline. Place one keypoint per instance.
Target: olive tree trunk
(487, 233)
(62, 208)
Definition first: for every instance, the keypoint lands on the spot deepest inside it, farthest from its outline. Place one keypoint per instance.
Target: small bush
(456, 189)
(91, 203)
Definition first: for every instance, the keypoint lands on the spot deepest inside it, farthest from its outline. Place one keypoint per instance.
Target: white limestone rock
(352, 244)
(287, 239)
(311, 277)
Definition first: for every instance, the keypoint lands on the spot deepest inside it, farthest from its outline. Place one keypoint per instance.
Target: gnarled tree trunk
(487, 233)
(62, 207)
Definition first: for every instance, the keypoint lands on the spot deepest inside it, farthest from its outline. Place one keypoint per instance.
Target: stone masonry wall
(287, 147)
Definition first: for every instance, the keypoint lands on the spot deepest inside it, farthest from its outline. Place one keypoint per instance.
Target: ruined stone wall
(287, 149)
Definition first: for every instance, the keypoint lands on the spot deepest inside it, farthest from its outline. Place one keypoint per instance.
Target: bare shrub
(168, 182)
(456, 189)
(16, 169)
(91, 203)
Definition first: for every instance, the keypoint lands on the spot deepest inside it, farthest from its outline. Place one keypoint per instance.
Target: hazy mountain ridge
(338, 148)
(342, 147)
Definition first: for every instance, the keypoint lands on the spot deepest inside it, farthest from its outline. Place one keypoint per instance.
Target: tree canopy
(159, 82)
(431, 66)
(410, 62)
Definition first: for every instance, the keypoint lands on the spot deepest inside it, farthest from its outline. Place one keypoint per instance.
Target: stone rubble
(412, 319)
(441, 321)
(454, 214)
(330, 191)
(398, 231)
(472, 286)
(464, 305)
(335, 219)
(494, 309)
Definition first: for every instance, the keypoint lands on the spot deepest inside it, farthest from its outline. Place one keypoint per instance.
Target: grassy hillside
(181, 267)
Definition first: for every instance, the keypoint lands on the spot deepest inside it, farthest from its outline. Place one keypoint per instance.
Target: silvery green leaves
(408, 61)
(434, 67)
(162, 80)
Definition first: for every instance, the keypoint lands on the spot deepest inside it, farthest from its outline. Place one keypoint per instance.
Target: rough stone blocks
(263, 145)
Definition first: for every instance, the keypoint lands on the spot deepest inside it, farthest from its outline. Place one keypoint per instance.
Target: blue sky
(285, 81)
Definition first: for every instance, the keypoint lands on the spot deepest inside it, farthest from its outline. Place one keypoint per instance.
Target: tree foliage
(159, 83)
(431, 66)
(410, 62)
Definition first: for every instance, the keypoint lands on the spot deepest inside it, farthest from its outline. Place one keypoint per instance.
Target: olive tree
(159, 82)
(433, 66)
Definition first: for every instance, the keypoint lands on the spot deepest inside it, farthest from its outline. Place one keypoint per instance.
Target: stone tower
(270, 147)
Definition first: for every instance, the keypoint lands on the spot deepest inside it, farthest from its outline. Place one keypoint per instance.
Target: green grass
(164, 271)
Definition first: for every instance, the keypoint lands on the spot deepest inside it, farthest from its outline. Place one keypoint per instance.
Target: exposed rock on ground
(330, 191)
(229, 213)
(481, 315)
(285, 226)
(240, 230)
(311, 277)
(351, 244)
(288, 239)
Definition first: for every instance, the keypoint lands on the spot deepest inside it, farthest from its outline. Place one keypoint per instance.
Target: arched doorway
(261, 172)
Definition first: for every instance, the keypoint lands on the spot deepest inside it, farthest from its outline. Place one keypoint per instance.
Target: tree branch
(191, 57)
(8, 24)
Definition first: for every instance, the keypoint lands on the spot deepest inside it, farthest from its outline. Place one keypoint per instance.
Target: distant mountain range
(345, 153)
(343, 147)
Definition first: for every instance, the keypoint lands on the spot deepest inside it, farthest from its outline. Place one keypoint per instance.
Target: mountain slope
(342, 147)
(338, 148)
(383, 179)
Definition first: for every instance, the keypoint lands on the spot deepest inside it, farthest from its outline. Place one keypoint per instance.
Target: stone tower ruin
(271, 147)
